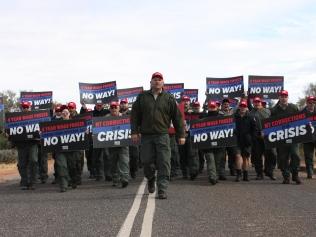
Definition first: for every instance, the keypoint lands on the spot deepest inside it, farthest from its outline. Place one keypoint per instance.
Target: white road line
(149, 216)
(129, 221)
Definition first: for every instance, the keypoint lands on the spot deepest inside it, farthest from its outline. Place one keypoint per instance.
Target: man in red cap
(287, 155)
(119, 156)
(27, 156)
(309, 147)
(227, 110)
(72, 109)
(246, 130)
(152, 114)
(100, 162)
(186, 101)
(134, 149)
(214, 156)
(124, 106)
(196, 110)
(189, 163)
(259, 113)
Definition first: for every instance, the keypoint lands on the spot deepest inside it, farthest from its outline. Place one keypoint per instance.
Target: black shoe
(184, 177)
(193, 176)
(124, 184)
(62, 190)
(43, 181)
(30, 187)
(296, 179)
(151, 185)
(309, 176)
(212, 181)
(74, 185)
(232, 172)
(271, 176)
(286, 181)
(91, 176)
(221, 177)
(245, 176)
(108, 178)
(54, 181)
(259, 177)
(162, 195)
(133, 175)
(238, 176)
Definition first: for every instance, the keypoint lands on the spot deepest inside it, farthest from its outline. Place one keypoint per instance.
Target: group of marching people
(118, 164)
(115, 164)
(249, 116)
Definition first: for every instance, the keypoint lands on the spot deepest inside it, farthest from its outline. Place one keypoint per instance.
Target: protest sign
(130, 94)
(38, 100)
(193, 94)
(92, 93)
(176, 89)
(225, 87)
(290, 129)
(266, 87)
(111, 131)
(212, 132)
(21, 126)
(64, 135)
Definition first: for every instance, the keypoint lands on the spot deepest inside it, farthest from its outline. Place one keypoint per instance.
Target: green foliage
(10, 100)
(8, 156)
(308, 91)
(4, 143)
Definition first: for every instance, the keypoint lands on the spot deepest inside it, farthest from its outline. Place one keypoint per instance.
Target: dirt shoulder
(10, 172)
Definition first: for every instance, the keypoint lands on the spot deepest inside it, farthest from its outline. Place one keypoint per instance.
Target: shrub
(8, 156)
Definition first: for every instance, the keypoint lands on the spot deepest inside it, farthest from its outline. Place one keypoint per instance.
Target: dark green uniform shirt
(277, 110)
(154, 116)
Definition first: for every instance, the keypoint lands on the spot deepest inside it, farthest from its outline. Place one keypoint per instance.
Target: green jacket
(277, 110)
(150, 116)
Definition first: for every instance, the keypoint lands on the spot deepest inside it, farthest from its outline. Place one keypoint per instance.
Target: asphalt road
(193, 208)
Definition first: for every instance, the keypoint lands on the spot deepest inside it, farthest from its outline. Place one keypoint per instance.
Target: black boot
(245, 175)
(309, 171)
(238, 176)
(259, 176)
(232, 172)
(286, 180)
(296, 179)
(151, 185)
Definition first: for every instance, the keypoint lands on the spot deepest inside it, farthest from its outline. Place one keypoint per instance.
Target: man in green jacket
(287, 154)
(152, 113)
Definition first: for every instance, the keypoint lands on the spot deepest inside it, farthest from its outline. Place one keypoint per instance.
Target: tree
(308, 91)
(10, 100)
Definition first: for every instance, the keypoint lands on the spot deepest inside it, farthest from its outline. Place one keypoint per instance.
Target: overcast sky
(54, 45)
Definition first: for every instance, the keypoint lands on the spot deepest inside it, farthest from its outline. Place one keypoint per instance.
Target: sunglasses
(113, 107)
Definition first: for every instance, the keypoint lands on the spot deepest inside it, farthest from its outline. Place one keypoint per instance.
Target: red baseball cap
(257, 99)
(212, 104)
(58, 109)
(72, 105)
(284, 92)
(26, 104)
(196, 104)
(157, 74)
(63, 107)
(114, 103)
(310, 98)
(243, 103)
(185, 98)
(124, 101)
